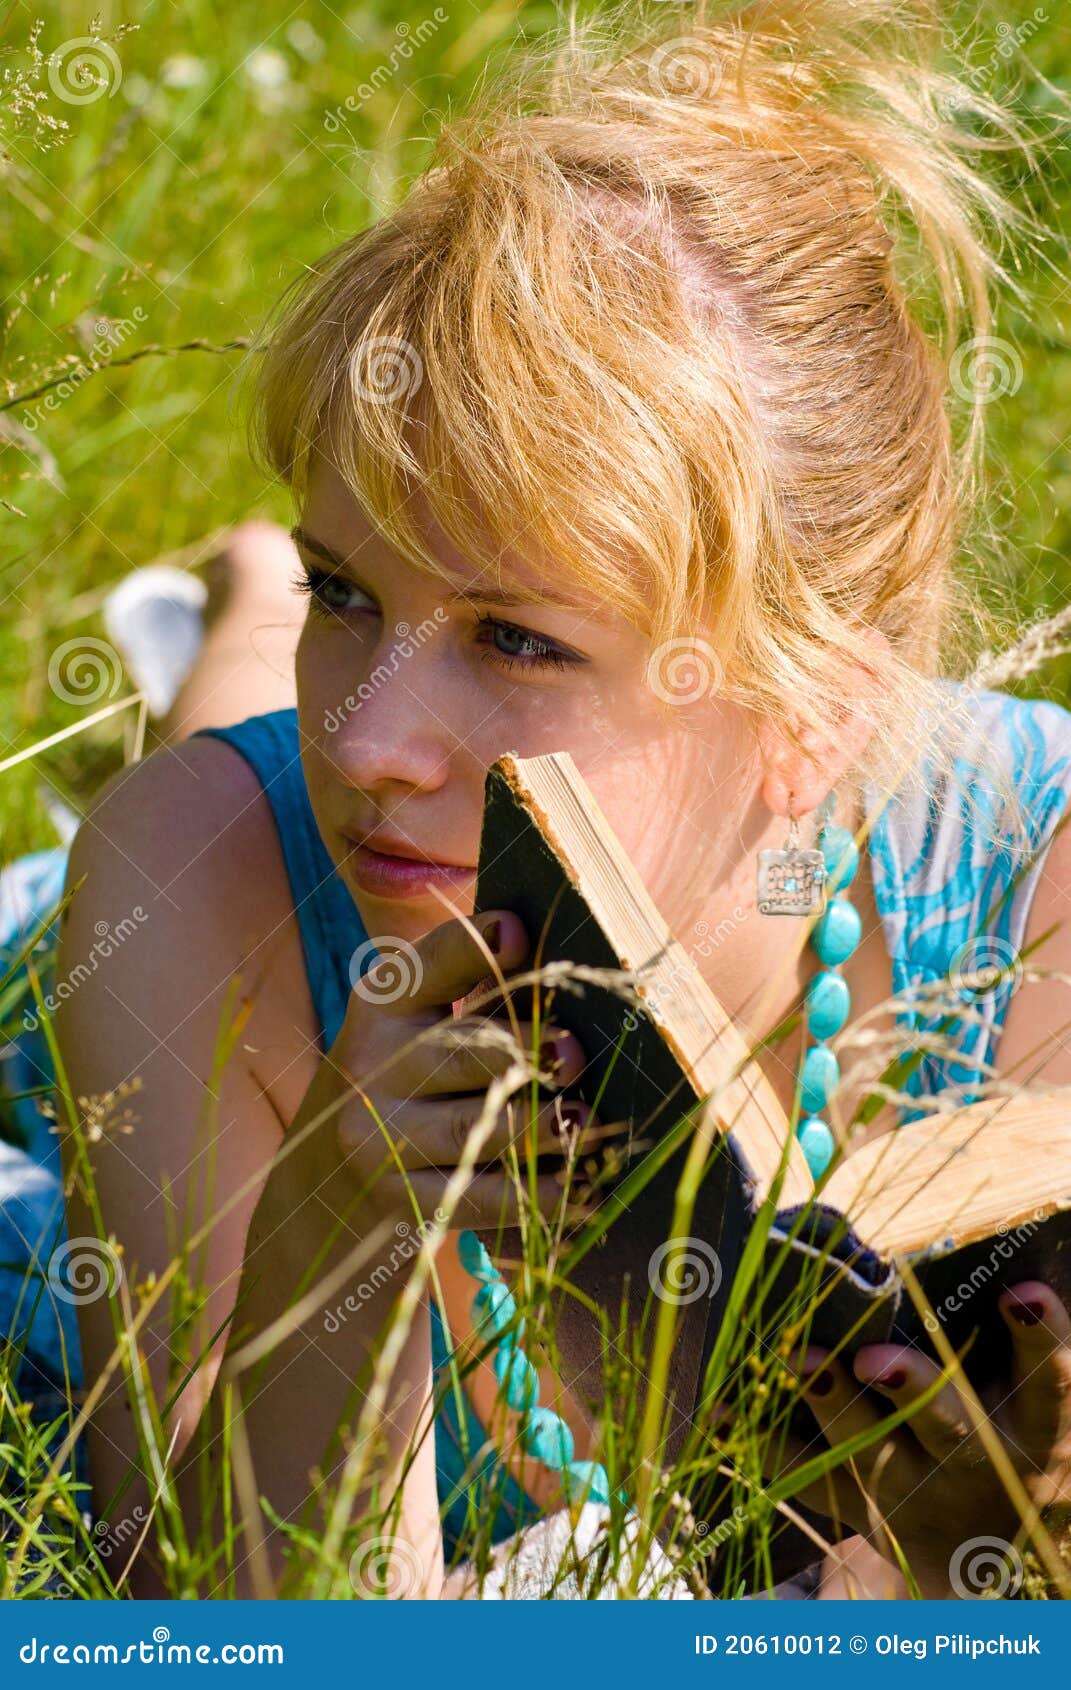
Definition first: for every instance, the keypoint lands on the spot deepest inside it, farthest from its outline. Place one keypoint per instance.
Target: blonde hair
(648, 312)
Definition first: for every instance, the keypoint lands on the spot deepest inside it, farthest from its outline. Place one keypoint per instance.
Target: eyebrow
(486, 595)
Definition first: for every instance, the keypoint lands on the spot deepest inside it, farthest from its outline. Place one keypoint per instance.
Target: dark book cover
(632, 1074)
(857, 1291)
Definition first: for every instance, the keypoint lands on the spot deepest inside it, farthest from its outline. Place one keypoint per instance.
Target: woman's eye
(520, 646)
(328, 594)
(331, 596)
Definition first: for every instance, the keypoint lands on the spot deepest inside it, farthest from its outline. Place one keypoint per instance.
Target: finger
(448, 961)
(438, 1134)
(834, 1494)
(836, 1401)
(784, 1452)
(490, 1200)
(466, 1055)
(1041, 1362)
(806, 1359)
(943, 1426)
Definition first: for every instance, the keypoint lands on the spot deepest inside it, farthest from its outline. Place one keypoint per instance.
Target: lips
(396, 867)
(384, 846)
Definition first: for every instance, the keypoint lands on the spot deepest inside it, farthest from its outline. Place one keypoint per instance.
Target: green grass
(191, 193)
(195, 205)
(177, 206)
(709, 1502)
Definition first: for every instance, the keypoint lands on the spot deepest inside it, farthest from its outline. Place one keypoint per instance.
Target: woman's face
(406, 695)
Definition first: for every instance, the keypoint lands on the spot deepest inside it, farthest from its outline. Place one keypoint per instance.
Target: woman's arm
(313, 1379)
(176, 852)
(181, 858)
(154, 1013)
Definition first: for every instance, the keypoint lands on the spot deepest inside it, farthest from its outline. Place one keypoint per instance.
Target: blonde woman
(632, 372)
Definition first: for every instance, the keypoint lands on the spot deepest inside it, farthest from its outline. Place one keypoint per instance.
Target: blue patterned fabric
(938, 879)
(41, 1326)
(943, 864)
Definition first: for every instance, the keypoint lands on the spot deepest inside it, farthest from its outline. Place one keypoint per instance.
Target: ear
(807, 775)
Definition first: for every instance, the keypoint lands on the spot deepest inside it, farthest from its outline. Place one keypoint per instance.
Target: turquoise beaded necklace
(544, 1434)
(833, 938)
(831, 868)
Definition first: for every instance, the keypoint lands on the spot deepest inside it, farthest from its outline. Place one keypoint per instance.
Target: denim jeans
(38, 1313)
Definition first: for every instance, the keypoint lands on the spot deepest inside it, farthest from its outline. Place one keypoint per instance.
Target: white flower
(183, 71)
(267, 68)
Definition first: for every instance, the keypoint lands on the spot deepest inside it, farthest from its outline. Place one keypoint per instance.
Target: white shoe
(155, 620)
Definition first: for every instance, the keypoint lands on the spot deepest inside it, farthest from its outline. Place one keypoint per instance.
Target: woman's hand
(931, 1480)
(419, 1081)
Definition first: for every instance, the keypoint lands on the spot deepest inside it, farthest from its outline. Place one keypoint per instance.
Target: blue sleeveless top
(941, 877)
(468, 1473)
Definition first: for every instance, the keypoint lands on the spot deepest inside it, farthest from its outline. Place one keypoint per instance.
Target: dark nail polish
(891, 1379)
(550, 1057)
(1027, 1311)
(819, 1384)
(572, 1118)
(493, 936)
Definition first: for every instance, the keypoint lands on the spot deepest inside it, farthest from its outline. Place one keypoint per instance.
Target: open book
(973, 1200)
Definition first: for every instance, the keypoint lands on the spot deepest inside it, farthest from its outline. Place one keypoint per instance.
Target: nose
(387, 733)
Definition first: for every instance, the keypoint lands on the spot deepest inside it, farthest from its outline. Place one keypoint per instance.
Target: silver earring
(791, 881)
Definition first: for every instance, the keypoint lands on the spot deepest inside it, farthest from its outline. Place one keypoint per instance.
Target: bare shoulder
(188, 821)
(183, 878)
